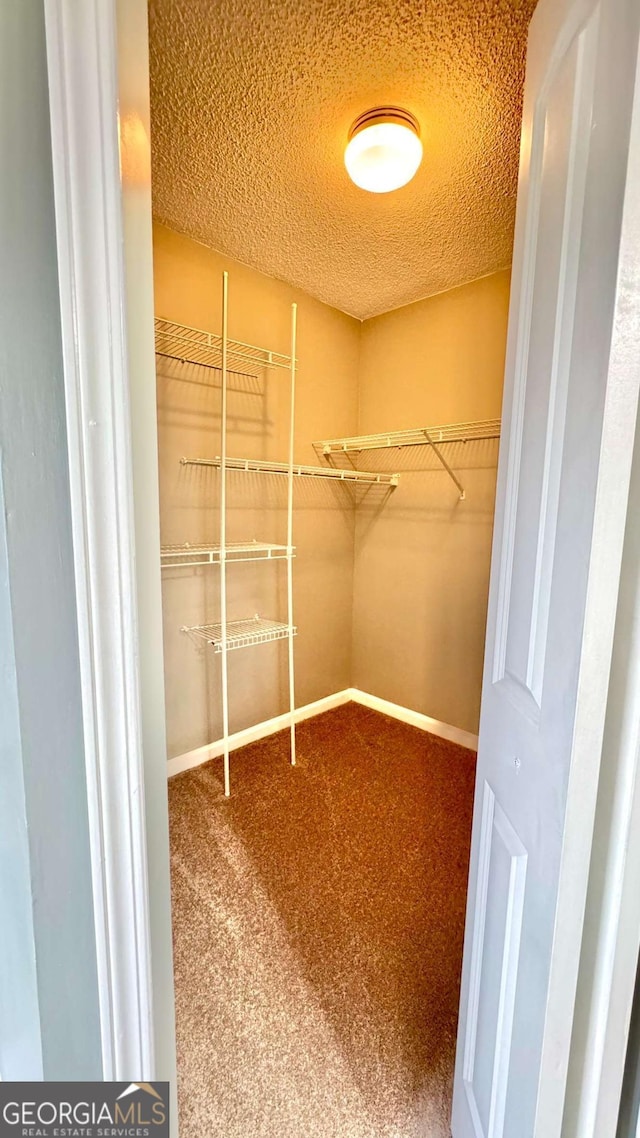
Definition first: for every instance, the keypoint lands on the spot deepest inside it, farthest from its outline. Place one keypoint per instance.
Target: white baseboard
(415, 718)
(280, 722)
(252, 734)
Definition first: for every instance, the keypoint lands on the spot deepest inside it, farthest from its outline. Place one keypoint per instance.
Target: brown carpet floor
(318, 920)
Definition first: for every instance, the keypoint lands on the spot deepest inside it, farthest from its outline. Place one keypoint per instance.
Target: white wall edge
(83, 98)
(251, 734)
(268, 727)
(416, 719)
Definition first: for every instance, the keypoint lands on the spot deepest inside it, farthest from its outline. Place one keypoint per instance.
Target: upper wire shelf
(264, 466)
(195, 346)
(176, 556)
(417, 436)
(433, 437)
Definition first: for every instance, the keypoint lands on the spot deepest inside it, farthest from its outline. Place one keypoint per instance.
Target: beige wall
(188, 289)
(422, 562)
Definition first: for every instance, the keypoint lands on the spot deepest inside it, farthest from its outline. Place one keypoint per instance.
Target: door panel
(560, 142)
(494, 961)
(561, 501)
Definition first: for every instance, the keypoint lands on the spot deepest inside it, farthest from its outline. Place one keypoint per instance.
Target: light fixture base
(378, 115)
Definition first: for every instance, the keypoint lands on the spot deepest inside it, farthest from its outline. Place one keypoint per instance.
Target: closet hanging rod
(179, 556)
(196, 346)
(300, 471)
(417, 436)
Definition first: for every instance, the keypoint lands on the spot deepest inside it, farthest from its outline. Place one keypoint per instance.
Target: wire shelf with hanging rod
(264, 466)
(433, 437)
(417, 436)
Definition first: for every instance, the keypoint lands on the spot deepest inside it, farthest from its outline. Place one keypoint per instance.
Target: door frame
(91, 50)
(99, 107)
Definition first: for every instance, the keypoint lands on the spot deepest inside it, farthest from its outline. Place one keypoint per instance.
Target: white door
(562, 485)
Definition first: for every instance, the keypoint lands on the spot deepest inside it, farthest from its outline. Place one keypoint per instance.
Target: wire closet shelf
(242, 633)
(195, 346)
(264, 466)
(417, 436)
(178, 556)
(433, 437)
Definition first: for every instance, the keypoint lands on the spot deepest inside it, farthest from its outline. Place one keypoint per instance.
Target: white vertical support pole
(223, 535)
(292, 699)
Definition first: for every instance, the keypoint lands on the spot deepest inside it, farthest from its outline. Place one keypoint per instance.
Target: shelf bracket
(445, 464)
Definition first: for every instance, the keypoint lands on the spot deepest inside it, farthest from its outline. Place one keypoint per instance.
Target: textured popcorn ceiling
(251, 104)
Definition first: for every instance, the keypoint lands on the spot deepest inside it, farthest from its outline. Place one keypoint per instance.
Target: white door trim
(594, 691)
(83, 91)
(612, 931)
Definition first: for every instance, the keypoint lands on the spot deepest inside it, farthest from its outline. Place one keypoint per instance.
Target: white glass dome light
(384, 149)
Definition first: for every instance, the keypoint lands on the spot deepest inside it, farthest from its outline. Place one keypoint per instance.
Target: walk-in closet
(329, 369)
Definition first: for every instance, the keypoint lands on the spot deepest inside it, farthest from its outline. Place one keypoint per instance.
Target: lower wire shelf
(174, 556)
(265, 466)
(242, 633)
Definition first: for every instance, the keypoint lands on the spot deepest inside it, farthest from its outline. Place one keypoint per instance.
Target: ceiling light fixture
(384, 149)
